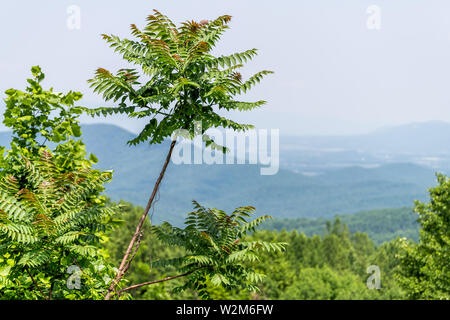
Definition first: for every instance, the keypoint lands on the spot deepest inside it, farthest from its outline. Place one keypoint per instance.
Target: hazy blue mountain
(285, 195)
(427, 138)
(426, 143)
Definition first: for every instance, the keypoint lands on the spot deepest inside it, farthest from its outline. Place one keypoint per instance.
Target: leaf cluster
(38, 114)
(57, 222)
(217, 253)
(178, 82)
(425, 266)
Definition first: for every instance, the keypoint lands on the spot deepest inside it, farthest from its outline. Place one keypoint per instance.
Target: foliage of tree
(315, 257)
(38, 117)
(50, 226)
(215, 252)
(52, 215)
(326, 284)
(307, 262)
(145, 267)
(179, 80)
(425, 266)
(180, 88)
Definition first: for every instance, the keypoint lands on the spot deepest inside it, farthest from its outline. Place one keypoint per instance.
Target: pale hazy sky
(333, 74)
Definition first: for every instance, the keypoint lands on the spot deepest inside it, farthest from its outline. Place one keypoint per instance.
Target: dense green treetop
(425, 266)
(39, 117)
(179, 84)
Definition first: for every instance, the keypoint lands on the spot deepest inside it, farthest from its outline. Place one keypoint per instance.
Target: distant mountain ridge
(426, 144)
(428, 138)
(285, 195)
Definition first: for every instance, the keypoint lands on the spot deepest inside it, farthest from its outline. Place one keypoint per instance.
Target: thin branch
(138, 243)
(34, 281)
(51, 291)
(43, 143)
(124, 264)
(157, 281)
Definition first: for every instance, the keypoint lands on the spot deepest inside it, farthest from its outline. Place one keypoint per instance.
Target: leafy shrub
(54, 224)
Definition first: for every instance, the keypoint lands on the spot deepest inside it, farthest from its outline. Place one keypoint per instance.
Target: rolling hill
(424, 143)
(380, 225)
(285, 195)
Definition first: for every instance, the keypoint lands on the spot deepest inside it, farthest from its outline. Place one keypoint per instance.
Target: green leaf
(93, 158)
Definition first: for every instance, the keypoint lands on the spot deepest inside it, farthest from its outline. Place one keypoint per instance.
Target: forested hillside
(380, 225)
(329, 266)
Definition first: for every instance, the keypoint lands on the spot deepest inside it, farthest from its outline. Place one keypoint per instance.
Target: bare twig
(35, 283)
(134, 252)
(51, 291)
(156, 281)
